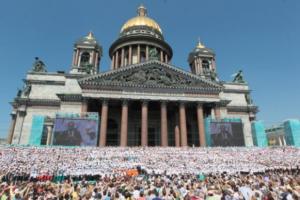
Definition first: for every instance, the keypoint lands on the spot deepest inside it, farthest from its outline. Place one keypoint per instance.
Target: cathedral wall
(45, 91)
(44, 86)
(246, 126)
(56, 84)
(70, 107)
(236, 99)
(72, 86)
(45, 77)
(236, 86)
(236, 93)
(25, 127)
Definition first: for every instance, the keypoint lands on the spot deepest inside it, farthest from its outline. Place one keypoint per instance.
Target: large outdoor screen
(75, 132)
(227, 134)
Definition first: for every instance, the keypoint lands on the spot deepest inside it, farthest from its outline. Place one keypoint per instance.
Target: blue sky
(261, 37)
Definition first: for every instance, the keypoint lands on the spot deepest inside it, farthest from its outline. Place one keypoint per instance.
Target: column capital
(104, 101)
(85, 99)
(182, 103)
(125, 102)
(164, 102)
(145, 102)
(200, 104)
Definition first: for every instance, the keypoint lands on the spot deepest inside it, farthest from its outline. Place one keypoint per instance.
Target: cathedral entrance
(154, 138)
(112, 133)
(134, 123)
(192, 128)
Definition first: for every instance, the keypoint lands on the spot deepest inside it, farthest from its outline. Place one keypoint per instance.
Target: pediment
(152, 74)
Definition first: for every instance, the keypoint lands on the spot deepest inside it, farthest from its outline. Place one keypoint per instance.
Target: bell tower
(202, 62)
(86, 56)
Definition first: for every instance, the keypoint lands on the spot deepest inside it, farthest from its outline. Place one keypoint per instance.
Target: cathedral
(143, 100)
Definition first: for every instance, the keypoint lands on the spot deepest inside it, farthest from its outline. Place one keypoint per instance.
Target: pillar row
(200, 121)
(113, 62)
(144, 128)
(117, 60)
(124, 124)
(11, 128)
(130, 55)
(103, 123)
(147, 52)
(164, 124)
(122, 57)
(182, 124)
(138, 53)
(177, 136)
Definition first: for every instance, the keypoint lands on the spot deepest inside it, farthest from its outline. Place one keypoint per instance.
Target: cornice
(35, 102)
(237, 91)
(249, 108)
(43, 82)
(70, 97)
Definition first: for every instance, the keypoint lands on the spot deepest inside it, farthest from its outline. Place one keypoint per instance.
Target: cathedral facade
(143, 100)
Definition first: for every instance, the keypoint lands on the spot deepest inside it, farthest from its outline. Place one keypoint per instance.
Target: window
(143, 56)
(85, 58)
(205, 64)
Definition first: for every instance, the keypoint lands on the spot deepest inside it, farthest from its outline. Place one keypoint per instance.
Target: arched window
(85, 58)
(143, 56)
(205, 64)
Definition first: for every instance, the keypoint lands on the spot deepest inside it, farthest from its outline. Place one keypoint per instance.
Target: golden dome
(141, 20)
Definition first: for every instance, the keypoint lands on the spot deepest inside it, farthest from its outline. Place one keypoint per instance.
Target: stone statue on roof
(27, 89)
(153, 54)
(239, 77)
(19, 93)
(248, 99)
(38, 65)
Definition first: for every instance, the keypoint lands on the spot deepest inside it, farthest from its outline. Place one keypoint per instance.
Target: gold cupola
(141, 20)
(140, 40)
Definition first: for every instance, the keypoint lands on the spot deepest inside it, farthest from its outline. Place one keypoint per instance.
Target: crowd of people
(230, 173)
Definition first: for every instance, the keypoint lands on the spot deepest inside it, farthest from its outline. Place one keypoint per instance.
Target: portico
(151, 123)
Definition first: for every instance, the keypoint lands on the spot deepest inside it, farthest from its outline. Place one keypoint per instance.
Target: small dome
(141, 20)
(88, 40)
(200, 48)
